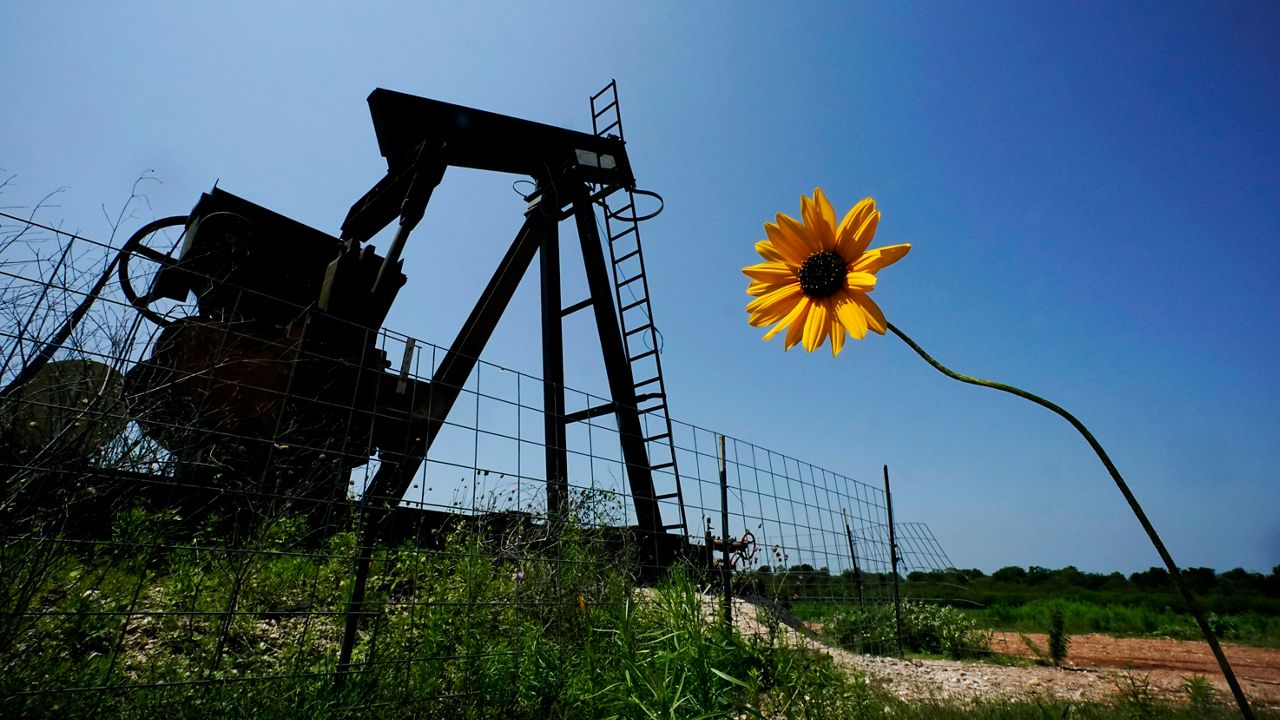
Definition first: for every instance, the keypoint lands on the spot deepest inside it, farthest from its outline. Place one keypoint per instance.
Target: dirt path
(1168, 662)
(1099, 668)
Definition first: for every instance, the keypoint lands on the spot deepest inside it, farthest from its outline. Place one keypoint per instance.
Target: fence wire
(187, 515)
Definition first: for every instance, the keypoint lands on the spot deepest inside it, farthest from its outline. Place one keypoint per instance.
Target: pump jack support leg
(617, 367)
(553, 374)
(397, 470)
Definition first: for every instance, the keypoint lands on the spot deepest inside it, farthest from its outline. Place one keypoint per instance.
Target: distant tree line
(1230, 592)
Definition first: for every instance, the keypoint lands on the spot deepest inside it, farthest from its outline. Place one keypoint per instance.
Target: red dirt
(1167, 661)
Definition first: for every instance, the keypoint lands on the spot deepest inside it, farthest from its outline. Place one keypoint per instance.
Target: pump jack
(322, 312)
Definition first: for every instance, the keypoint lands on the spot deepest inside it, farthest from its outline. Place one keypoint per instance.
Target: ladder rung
(647, 396)
(628, 281)
(589, 413)
(607, 128)
(659, 436)
(576, 307)
(664, 466)
(603, 90)
(637, 303)
(642, 355)
(628, 256)
(618, 236)
(606, 108)
(635, 330)
(654, 408)
(673, 527)
(650, 381)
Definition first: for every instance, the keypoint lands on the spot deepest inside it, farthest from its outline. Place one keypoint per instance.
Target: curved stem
(1174, 573)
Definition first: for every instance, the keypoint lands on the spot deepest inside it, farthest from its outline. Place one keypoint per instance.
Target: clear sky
(1092, 192)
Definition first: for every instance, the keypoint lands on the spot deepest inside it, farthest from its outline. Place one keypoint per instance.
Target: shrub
(1058, 638)
(933, 629)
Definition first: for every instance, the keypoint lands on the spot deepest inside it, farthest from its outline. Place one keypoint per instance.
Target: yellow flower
(816, 275)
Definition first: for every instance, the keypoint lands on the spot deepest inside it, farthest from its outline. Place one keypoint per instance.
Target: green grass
(516, 624)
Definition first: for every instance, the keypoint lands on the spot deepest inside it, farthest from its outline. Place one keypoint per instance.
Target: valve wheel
(134, 247)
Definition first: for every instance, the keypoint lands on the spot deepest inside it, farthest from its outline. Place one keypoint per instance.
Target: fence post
(893, 562)
(853, 555)
(724, 535)
(355, 609)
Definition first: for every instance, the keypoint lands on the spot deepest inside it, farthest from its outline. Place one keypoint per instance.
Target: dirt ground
(1099, 668)
(1168, 662)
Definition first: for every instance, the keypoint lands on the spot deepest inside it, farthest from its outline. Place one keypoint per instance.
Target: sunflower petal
(875, 317)
(757, 288)
(876, 260)
(771, 253)
(865, 233)
(770, 272)
(816, 326)
(848, 229)
(791, 246)
(775, 303)
(837, 333)
(796, 332)
(806, 211)
(802, 234)
(863, 281)
(788, 319)
(851, 315)
(824, 212)
(819, 219)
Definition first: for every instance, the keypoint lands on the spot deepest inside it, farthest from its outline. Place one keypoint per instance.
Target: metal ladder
(640, 336)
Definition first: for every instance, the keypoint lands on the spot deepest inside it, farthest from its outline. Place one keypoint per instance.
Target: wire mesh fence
(192, 519)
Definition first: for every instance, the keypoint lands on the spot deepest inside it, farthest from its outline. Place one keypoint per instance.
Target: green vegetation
(522, 622)
(1087, 617)
(1234, 592)
(926, 629)
(1241, 606)
(512, 620)
(1059, 641)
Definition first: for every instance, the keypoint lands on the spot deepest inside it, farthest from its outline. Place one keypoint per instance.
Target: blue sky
(1092, 193)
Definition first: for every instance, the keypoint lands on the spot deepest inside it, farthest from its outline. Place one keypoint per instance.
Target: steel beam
(617, 367)
(398, 468)
(553, 420)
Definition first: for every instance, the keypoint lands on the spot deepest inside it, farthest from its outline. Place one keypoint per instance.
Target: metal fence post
(893, 562)
(724, 535)
(853, 555)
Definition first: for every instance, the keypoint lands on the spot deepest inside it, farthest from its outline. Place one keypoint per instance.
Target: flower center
(822, 274)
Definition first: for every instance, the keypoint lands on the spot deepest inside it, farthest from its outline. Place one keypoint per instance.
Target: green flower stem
(1174, 573)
